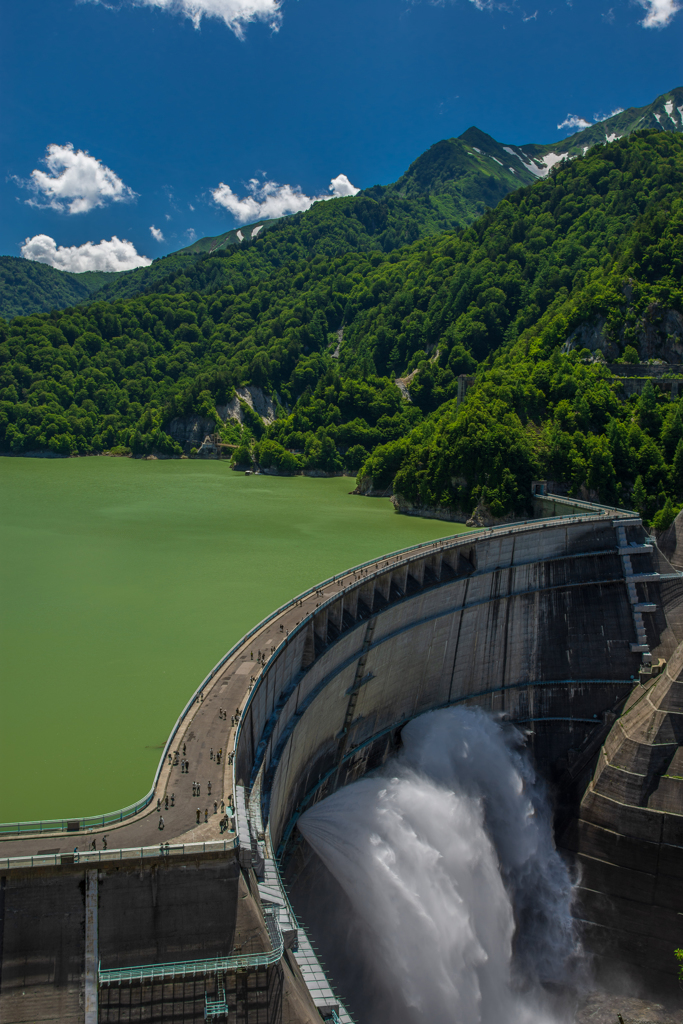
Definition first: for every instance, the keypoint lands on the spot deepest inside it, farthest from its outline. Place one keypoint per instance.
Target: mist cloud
(268, 199)
(75, 182)
(115, 254)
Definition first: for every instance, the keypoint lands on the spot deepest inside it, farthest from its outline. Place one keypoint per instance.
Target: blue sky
(305, 91)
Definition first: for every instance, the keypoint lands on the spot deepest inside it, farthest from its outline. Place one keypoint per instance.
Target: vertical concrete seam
(91, 948)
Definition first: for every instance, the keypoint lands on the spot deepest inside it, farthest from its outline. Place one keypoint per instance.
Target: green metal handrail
(192, 968)
(42, 860)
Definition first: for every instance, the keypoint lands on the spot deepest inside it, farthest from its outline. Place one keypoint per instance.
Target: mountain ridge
(447, 187)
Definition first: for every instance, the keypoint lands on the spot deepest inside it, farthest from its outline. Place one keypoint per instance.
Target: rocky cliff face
(262, 404)
(190, 431)
(659, 336)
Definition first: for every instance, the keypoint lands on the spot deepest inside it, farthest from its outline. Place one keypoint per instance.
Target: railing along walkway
(46, 860)
(149, 973)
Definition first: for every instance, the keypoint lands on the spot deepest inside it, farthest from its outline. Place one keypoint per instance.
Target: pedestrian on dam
(215, 807)
(93, 845)
(161, 823)
(206, 814)
(166, 804)
(198, 790)
(104, 842)
(194, 789)
(184, 750)
(209, 787)
(172, 799)
(211, 754)
(199, 815)
(158, 803)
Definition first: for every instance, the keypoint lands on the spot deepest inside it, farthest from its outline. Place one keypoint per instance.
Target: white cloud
(341, 186)
(658, 12)
(235, 13)
(603, 117)
(75, 182)
(157, 234)
(574, 122)
(269, 199)
(115, 254)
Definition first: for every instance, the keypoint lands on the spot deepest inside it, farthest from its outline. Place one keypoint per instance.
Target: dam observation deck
(551, 622)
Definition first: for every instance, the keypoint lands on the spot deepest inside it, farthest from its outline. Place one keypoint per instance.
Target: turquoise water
(123, 582)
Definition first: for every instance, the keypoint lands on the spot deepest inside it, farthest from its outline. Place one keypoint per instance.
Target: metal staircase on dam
(256, 852)
(638, 608)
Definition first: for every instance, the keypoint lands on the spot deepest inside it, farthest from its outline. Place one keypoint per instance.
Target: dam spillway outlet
(458, 906)
(369, 755)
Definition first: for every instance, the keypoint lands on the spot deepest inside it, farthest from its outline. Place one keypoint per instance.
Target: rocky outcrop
(262, 404)
(190, 431)
(659, 336)
(480, 517)
(407, 508)
(366, 487)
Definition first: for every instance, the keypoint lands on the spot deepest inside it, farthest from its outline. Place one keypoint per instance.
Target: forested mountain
(589, 257)
(29, 287)
(457, 179)
(449, 186)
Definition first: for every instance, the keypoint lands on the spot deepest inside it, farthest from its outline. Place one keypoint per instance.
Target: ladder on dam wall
(218, 1007)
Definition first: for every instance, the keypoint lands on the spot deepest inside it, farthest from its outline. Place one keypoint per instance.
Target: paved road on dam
(207, 727)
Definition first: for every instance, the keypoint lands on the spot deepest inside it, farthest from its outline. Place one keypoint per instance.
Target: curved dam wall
(552, 623)
(534, 621)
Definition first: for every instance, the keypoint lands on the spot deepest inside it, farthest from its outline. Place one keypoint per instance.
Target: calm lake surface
(123, 582)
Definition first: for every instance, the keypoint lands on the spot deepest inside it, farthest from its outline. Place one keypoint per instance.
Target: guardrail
(46, 860)
(149, 973)
(116, 817)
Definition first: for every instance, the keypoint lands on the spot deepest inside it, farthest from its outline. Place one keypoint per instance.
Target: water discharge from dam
(460, 904)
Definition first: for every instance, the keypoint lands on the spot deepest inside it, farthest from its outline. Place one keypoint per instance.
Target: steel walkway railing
(149, 973)
(46, 860)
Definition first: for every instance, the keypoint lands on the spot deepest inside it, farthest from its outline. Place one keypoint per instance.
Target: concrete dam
(569, 627)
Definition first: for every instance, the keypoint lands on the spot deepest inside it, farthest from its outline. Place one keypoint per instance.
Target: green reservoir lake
(123, 582)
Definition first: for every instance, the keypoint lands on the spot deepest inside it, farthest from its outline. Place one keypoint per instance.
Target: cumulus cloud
(574, 122)
(658, 12)
(269, 199)
(75, 182)
(115, 254)
(235, 13)
(157, 234)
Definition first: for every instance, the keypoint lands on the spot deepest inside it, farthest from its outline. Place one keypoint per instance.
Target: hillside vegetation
(600, 239)
(29, 287)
